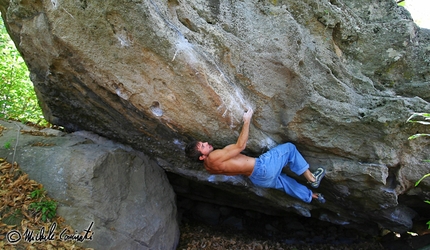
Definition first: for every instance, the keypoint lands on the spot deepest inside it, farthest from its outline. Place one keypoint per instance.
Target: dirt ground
(196, 235)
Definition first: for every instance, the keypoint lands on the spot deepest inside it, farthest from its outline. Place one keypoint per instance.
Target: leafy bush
(47, 208)
(17, 97)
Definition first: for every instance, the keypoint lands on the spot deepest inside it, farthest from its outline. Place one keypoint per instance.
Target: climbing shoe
(320, 198)
(318, 174)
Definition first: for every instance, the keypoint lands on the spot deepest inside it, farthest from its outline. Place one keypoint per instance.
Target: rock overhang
(155, 75)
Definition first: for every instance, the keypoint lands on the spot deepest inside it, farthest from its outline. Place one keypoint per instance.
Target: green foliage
(418, 182)
(426, 116)
(17, 97)
(38, 193)
(415, 136)
(47, 208)
(7, 145)
(44, 207)
(421, 118)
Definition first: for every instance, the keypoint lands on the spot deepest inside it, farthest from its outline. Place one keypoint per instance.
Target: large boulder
(123, 193)
(337, 78)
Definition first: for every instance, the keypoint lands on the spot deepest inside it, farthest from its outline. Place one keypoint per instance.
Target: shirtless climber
(264, 171)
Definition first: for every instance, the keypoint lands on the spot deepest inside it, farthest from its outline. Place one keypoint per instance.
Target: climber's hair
(192, 152)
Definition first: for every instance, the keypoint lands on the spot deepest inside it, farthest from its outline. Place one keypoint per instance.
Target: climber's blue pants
(268, 167)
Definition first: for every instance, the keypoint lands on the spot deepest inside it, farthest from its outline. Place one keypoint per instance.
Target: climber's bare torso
(236, 165)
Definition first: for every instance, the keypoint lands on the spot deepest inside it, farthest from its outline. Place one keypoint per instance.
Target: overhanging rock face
(337, 78)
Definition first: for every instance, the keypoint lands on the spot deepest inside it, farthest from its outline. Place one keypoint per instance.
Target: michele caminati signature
(14, 236)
